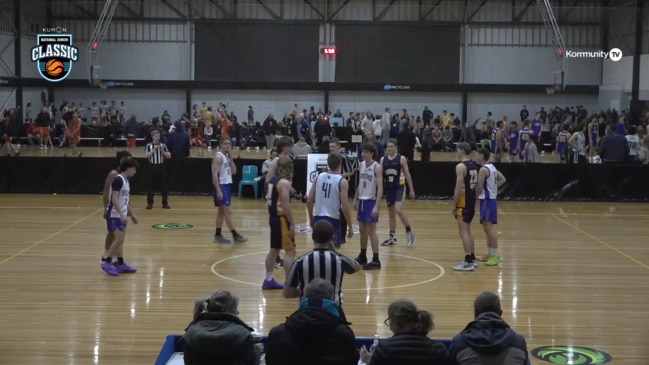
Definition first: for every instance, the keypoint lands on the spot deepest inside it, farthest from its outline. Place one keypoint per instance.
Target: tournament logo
(54, 55)
(172, 226)
(571, 355)
(320, 168)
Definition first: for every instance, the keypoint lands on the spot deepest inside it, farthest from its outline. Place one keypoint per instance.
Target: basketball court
(574, 274)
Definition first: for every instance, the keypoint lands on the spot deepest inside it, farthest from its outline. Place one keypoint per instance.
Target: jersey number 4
(326, 188)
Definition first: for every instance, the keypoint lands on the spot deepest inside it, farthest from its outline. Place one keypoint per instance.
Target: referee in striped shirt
(156, 153)
(323, 262)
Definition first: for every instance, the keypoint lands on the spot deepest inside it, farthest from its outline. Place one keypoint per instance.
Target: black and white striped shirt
(320, 263)
(157, 157)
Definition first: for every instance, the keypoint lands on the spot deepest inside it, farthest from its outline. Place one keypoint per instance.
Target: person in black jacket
(488, 340)
(217, 335)
(316, 334)
(410, 344)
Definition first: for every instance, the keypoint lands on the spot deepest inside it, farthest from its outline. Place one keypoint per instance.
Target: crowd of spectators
(425, 133)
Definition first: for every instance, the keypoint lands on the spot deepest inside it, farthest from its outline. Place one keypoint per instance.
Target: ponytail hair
(221, 301)
(405, 317)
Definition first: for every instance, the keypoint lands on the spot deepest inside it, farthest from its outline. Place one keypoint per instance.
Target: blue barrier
(175, 343)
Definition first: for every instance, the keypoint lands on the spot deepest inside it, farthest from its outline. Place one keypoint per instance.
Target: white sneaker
(411, 238)
(465, 266)
(389, 242)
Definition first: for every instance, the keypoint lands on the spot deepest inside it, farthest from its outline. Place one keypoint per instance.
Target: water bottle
(374, 344)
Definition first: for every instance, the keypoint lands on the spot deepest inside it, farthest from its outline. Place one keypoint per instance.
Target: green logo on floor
(172, 226)
(571, 355)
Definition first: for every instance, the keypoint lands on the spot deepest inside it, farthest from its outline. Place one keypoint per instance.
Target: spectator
(643, 154)
(301, 148)
(410, 344)
(488, 339)
(178, 141)
(613, 148)
(130, 131)
(380, 151)
(217, 335)
(531, 153)
(270, 128)
(317, 333)
(406, 141)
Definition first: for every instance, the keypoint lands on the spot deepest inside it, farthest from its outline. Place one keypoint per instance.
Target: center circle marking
(441, 273)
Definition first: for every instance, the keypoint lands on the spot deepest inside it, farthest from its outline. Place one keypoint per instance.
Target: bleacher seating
(174, 346)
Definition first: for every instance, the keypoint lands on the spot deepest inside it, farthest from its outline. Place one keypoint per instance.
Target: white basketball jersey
(327, 195)
(634, 144)
(367, 181)
(225, 174)
(490, 188)
(580, 144)
(124, 196)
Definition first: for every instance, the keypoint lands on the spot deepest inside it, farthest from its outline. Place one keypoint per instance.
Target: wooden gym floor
(27, 151)
(574, 274)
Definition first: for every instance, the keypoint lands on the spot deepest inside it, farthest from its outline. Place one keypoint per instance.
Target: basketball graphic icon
(54, 67)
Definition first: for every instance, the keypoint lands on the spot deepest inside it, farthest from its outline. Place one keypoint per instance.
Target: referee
(323, 262)
(347, 171)
(157, 152)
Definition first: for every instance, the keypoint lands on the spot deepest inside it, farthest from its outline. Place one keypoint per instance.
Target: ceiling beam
(425, 15)
(221, 8)
(524, 11)
(317, 11)
(384, 12)
(475, 12)
(129, 10)
(175, 10)
(81, 8)
(333, 15)
(269, 10)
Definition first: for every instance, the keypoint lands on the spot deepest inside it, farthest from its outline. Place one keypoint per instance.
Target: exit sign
(330, 51)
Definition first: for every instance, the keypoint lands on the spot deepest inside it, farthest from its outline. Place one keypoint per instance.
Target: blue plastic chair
(250, 172)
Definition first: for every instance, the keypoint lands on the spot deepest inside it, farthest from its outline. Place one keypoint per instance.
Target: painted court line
(35, 244)
(440, 212)
(602, 242)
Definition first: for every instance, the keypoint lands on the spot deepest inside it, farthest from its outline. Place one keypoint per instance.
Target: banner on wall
(316, 164)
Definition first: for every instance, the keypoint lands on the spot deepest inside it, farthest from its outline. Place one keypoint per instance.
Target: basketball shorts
(131, 141)
(464, 210)
(489, 211)
(337, 239)
(365, 212)
(280, 238)
(115, 223)
(226, 189)
(393, 195)
(44, 131)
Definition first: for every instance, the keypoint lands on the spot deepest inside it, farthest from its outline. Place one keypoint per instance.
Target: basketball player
(395, 175)
(284, 146)
(118, 213)
(513, 141)
(368, 196)
(464, 204)
(347, 171)
(489, 180)
(496, 138)
(562, 142)
(328, 195)
(633, 141)
(110, 237)
(578, 144)
(524, 136)
(282, 225)
(621, 126)
(222, 170)
(593, 135)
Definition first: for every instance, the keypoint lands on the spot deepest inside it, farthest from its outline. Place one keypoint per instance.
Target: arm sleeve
(117, 183)
(292, 279)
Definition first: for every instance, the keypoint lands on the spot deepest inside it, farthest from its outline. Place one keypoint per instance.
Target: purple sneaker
(271, 285)
(109, 268)
(125, 268)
